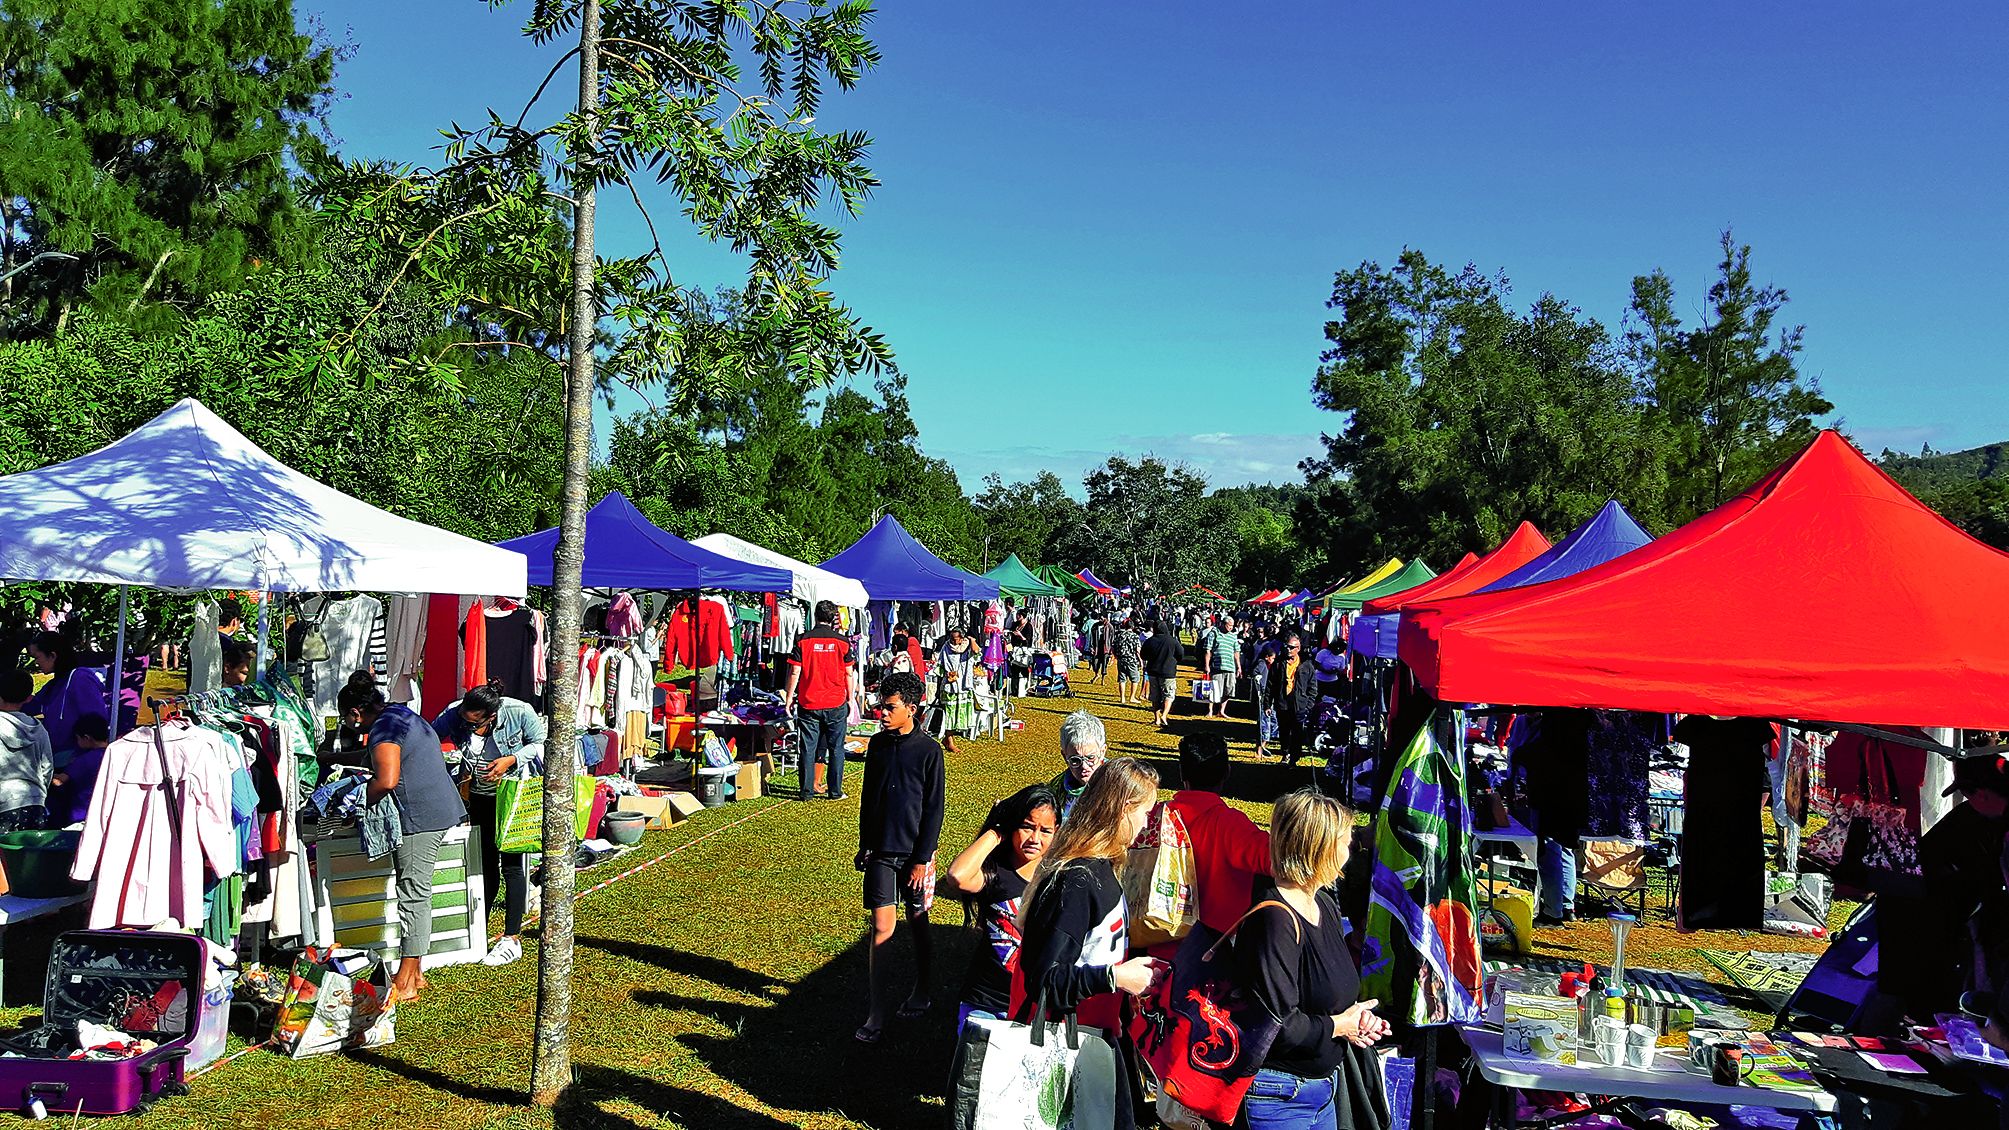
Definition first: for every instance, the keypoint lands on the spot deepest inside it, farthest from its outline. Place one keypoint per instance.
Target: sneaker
(505, 951)
(836, 796)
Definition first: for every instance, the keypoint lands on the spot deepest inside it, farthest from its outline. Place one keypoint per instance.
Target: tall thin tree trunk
(551, 1054)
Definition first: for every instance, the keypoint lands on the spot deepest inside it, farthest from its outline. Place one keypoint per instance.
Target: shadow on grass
(724, 974)
(585, 1104)
(447, 1084)
(799, 1054)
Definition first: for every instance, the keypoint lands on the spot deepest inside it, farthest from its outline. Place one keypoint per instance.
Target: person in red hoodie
(1229, 851)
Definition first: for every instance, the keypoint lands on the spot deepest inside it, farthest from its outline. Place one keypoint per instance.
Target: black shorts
(886, 885)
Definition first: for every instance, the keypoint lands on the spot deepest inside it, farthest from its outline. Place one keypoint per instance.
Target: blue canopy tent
(893, 566)
(1298, 601)
(624, 550)
(1608, 533)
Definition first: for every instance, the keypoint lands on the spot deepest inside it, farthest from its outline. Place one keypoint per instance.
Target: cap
(1974, 774)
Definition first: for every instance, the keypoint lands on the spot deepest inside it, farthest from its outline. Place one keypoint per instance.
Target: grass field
(718, 989)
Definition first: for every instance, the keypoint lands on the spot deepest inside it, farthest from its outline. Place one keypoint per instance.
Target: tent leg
(116, 676)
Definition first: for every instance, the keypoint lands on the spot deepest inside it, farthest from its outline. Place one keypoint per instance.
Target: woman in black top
(992, 872)
(1074, 953)
(1294, 958)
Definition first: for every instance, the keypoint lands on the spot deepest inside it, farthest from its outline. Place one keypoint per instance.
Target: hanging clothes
(1723, 871)
(699, 635)
(205, 650)
(1621, 745)
(623, 617)
(474, 647)
(405, 628)
(348, 626)
(512, 644)
(146, 858)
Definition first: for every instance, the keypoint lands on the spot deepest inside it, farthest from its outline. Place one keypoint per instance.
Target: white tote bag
(1050, 1076)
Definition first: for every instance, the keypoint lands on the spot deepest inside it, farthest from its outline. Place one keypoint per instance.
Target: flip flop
(913, 1011)
(866, 1034)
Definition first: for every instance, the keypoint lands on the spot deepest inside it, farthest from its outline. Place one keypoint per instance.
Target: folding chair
(1613, 870)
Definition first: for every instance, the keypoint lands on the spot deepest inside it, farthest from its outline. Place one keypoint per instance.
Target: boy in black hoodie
(899, 825)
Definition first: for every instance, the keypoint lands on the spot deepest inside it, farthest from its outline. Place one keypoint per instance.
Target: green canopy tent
(1014, 579)
(1408, 577)
(1066, 581)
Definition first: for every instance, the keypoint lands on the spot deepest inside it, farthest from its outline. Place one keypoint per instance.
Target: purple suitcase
(142, 983)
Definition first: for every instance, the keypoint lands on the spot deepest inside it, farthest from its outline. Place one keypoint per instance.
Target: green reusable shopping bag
(519, 812)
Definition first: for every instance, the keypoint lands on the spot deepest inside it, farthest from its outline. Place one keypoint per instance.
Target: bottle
(1614, 1002)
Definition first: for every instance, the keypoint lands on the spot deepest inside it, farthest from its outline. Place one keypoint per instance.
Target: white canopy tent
(811, 583)
(187, 502)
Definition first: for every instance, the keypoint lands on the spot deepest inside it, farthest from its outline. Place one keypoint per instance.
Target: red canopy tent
(1522, 546)
(1823, 593)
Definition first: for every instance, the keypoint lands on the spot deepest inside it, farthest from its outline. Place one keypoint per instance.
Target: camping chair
(1614, 870)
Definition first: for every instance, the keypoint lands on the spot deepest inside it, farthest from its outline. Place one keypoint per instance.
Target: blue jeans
(1788, 832)
(1279, 1100)
(822, 733)
(1556, 863)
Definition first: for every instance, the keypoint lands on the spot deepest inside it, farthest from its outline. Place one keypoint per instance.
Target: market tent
(1522, 546)
(1014, 579)
(1388, 569)
(1094, 582)
(187, 502)
(811, 583)
(1262, 597)
(624, 550)
(1409, 576)
(896, 567)
(1756, 609)
(1055, 575)
(1603, 536)
(1297, 601)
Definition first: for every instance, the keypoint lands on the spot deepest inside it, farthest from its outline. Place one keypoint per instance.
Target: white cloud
(1223, 458)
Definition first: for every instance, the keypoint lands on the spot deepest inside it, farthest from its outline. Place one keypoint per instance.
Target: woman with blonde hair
(1073, 951)
(1293, 956)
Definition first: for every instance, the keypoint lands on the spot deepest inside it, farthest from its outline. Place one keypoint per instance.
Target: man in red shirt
(1229, 851)
(822, 685)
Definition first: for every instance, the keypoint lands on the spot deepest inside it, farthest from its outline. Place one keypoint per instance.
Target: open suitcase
(143, 984)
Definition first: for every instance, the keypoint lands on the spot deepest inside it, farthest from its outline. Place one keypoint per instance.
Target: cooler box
(143, 984)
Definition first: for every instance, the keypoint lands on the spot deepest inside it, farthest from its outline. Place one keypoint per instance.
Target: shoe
(505, 951)
(836, 796)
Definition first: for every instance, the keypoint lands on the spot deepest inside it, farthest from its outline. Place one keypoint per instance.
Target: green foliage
(150, 139)
(1465, 416)
(1971, 488)
(1725, 398)
(1032, 519)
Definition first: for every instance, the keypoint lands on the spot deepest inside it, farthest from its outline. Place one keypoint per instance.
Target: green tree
(1726, 399)
(1027, 518)
(150, 142)
(1139, 516)
(661, 94)
(1464, 417)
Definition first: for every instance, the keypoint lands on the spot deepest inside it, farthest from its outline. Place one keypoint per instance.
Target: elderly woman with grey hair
(1084, 746)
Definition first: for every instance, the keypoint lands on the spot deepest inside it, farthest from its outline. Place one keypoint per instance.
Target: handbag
(519, 812)
(1158, 880)
(1032, 1074)
(1203, 1033)
(1880, 850)
(327, 1010)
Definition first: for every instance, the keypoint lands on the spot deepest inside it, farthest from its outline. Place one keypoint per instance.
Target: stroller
(1049, 680)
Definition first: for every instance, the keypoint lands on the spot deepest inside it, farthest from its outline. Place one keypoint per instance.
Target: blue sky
(1112, 226)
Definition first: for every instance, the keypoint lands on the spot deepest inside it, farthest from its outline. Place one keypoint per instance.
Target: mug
(1702, 1048)
(1729, 1065)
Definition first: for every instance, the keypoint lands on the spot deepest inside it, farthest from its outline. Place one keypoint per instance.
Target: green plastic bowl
(38, 863)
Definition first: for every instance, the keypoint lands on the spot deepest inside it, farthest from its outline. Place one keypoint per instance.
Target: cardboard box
(653, 807)
(766, 763)
(683, 806)
(746, 782)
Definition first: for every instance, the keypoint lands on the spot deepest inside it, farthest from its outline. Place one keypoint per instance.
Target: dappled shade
(187, 502)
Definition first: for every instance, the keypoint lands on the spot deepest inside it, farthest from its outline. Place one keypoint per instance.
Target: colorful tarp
(1421, 955)
(1388, 569)
(624, 550)
(1014, 579)
(1096, 583)
(1761, 608)
(893, 566)
(1409, 576)
(1522, 546)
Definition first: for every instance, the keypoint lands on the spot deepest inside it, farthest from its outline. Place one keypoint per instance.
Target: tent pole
(114, 684)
